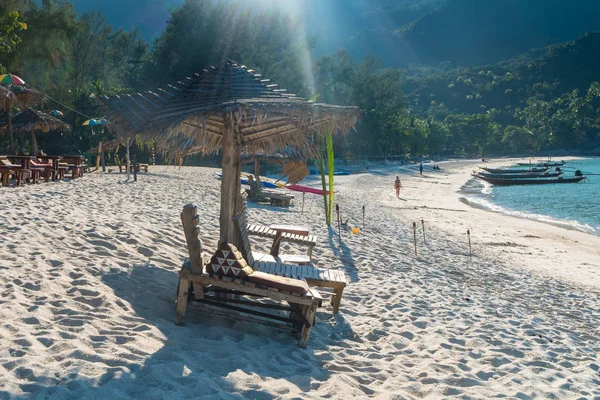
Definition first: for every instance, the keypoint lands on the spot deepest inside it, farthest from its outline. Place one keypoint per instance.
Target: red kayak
(305, 189)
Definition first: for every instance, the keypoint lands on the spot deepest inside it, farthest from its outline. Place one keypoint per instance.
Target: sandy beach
(88, 277)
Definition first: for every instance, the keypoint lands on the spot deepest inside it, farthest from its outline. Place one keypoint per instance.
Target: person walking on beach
(421, 169)
(397, 185)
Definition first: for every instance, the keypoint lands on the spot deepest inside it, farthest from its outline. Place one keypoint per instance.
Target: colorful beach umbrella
(6, 79)
(92, 122)
(56, 113)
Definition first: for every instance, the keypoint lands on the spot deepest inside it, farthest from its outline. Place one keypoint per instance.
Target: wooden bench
(264, 231)
(39, 168)
(123, 166)
(293, 267)
(240, 299)
(8, 169)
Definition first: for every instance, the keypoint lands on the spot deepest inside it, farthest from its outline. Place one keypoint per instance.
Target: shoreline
(554, 249)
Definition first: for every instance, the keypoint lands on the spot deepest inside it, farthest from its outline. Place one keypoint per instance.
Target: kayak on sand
(305, 189)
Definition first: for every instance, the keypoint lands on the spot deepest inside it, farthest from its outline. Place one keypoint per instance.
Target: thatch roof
(282, 156)
(27, 96)
(32, 121)
(188, 116)
(7, 98)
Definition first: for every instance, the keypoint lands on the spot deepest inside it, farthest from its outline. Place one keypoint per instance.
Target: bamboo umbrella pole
(230, 182)
(34, 143)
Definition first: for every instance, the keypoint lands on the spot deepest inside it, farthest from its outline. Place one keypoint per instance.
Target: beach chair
(258, 194)
(264, 231)
(226, 286)
(292, 266)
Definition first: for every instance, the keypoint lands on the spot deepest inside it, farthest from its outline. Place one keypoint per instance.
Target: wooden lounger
(269, 196)
(258, 298)
(288, 266)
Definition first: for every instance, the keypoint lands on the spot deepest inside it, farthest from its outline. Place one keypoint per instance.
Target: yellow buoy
(356, 231)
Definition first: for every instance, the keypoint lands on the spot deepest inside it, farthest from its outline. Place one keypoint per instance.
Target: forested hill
(475, 32)
(543, 74)
(401, 32)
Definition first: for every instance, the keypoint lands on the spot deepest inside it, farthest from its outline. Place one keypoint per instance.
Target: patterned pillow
(228, 261)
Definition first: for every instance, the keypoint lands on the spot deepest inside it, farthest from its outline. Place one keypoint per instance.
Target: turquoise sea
(575, 206)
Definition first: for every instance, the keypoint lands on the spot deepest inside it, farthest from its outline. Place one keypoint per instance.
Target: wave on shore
(476, 196)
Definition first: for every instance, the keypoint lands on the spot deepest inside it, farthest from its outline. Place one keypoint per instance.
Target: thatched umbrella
(32, 121)
(293, 160)
(27, 96)
(225, 108)
(7, 99)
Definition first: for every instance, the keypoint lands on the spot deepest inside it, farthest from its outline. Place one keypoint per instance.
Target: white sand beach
(88, 277)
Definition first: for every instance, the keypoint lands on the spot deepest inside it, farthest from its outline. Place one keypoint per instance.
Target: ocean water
(575, 206)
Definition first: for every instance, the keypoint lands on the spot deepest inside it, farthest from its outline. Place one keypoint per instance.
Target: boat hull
(513, 171)
(512, 182)
(548, 164)
(522, 176)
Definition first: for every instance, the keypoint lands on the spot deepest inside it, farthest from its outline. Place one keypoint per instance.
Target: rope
(58, 102)
(64, 105)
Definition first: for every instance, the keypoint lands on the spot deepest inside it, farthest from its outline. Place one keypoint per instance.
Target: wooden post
(135, 169)
(98, 156)
(11, 143)
(256, 168)
(34, 143)
(230, 183)
(469, 237)
(127, 161)
(303, 196)
(423, 226)
(309, 313)
(189, 219)
(415, 235)
(337, 209)
(363, 216)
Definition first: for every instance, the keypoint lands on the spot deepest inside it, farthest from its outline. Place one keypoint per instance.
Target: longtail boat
(522, 176)
(514, 171)
(543, 181)
(543, 164)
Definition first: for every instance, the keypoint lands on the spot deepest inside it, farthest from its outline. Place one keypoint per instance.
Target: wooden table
(75, 164)
(281, 229)
(25, 160)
